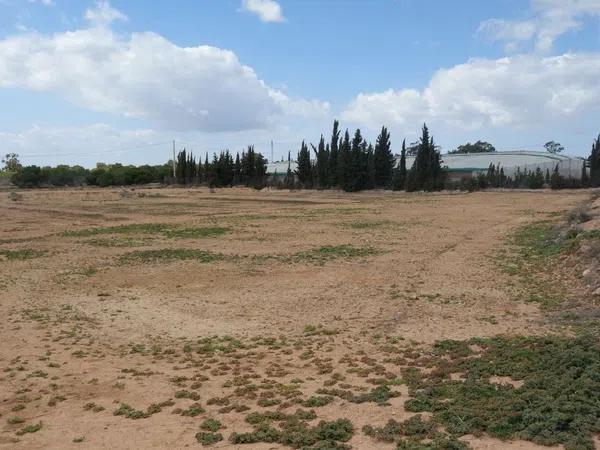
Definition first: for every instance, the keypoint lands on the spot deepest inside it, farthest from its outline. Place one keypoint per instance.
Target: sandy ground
(82, 325)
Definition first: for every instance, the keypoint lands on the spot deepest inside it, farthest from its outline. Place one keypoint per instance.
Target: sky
(97, 81)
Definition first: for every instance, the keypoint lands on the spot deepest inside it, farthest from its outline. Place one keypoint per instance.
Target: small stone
(596, 292)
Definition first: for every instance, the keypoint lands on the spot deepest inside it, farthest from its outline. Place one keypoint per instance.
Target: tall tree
(477, 147)
(304, 170)
(594, 162)
(237, 170)
(384, 159)
(343, 161)
(322, 163)
(553, 147)
(356, 171)
(288, 182)
(11, 162)
(334, 153)
(399, 180)
(426, 173)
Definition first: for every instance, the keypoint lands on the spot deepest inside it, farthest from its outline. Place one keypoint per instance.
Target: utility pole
(174, 158)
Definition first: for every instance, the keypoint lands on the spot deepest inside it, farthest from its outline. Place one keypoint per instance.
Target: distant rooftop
(477, 161)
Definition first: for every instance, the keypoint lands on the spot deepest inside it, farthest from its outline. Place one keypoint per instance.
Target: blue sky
(86, 81)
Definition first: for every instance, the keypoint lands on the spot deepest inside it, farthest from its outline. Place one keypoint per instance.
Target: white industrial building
(469, 164)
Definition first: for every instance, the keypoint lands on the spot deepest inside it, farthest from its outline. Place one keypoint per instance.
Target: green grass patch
(322, 255)
(21, 255)
(537, 248)
(192, 233)
(558, 402)
(170, 255)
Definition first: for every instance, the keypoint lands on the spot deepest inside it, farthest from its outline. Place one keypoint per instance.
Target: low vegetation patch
(170, 255)
(558, 401)
(20, 255)
(207, 438)
(322, 255)
(294, 431)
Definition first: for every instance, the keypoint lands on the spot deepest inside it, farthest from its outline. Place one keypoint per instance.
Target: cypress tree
(594, 162)
(207, 170)
(370, 182)
(289, 176)
(355, 173)
(403, 165)
(426, 173)
(322, 164)
(343, 162)
(333, 154)
(304, 170)
(237, 170)
(384, 160)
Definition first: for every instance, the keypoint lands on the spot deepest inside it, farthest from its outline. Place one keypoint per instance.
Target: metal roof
(515, 158)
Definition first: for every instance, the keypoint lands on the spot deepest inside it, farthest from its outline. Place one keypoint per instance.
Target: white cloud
(266, 10)
(146, 76)
(551, 19)
(512, 92)
(104, 14)
(82, 144)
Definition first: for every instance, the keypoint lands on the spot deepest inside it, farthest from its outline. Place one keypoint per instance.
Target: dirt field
(188, 305)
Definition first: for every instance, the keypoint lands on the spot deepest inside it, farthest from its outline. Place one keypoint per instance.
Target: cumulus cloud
(550, 19)
(144, 75)
(514, 92)
(266, 10)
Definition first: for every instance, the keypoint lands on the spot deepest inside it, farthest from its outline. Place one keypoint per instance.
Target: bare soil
(298, 287)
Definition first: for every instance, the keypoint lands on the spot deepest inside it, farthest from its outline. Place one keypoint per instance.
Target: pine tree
(399, 179)
(384, 160)
(304, 170)
(334, 154)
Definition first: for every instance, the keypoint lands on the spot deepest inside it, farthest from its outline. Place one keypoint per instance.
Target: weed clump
(211, 425)
(206, 439)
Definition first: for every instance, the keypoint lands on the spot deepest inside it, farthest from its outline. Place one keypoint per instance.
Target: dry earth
(297, 290)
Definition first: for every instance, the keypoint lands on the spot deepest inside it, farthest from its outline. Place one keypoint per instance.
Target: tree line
(249, 169)
(353, 164)
(346, 162)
